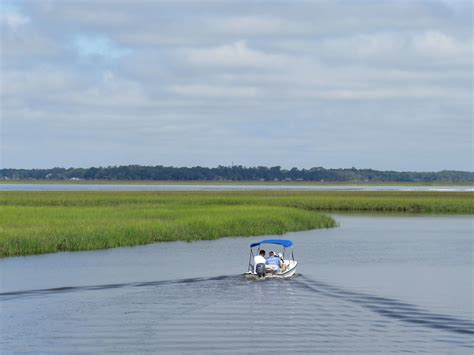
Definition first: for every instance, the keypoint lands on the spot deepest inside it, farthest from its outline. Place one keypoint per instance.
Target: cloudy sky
(369, 84)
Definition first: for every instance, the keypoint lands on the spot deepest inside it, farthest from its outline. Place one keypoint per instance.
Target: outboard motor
(260, 269)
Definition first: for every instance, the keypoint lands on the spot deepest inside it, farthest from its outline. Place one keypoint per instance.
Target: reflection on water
(362, 288)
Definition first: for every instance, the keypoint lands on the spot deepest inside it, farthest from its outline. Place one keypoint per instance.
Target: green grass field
(45, 222)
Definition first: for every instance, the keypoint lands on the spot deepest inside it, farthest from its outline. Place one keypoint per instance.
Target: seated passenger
(259, 259)
(273, 262)
(283, 266)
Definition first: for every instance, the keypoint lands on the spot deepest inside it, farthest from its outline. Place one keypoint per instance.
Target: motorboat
(287, 266)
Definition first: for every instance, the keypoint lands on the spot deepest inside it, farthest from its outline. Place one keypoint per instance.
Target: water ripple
(56, 290)
(223, 314)
(393, 308)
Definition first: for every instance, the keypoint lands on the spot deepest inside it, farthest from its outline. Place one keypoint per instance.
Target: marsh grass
(45, 222)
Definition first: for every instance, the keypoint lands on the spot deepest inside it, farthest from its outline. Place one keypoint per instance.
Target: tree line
(233, 173)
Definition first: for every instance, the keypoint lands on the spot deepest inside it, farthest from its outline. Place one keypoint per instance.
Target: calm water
(375, 284)
(182, 187)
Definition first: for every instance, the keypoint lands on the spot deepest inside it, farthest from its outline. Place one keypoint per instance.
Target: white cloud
(108, 92)
(382, 93)
(251, 25)
(65, 91)
(12, 19)
(237, 55)
(90, 13)
(21, 40)
(31, 85)
(215, 91)
(438, 44)
(364, 45)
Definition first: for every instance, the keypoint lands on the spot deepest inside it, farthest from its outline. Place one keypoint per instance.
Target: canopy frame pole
(250, 260)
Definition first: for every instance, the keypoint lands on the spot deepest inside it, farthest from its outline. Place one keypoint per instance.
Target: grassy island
(45, 222)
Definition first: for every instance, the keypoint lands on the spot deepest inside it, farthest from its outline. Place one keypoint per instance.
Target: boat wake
(57, 290)
(302, 302)
(392, 308)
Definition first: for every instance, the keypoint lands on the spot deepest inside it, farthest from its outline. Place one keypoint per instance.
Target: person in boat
(283, 266)
(273, 262)
(259, 263)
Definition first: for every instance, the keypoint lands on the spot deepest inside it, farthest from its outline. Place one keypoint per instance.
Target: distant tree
(234, 173)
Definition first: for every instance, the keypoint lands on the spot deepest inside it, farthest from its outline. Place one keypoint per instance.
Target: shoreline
(236, 183)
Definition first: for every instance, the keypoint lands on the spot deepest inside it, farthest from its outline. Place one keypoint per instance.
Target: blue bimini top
(283, 242)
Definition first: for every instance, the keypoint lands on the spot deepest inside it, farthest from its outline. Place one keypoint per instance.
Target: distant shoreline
(239, 182)
(237, 174)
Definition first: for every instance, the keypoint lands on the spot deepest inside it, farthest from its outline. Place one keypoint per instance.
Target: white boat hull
(289, 272)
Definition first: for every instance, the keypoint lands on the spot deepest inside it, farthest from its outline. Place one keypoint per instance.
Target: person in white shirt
(259, 259)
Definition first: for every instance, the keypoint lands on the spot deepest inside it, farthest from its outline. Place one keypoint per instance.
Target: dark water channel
(375, 284)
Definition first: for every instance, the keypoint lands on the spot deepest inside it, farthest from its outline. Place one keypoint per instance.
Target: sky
(375, 84)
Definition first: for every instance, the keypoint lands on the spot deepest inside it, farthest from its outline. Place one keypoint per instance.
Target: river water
(384, 284)
(217, 187)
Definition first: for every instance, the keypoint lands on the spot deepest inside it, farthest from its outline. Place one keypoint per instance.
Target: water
(257, 187)
(375, 284)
